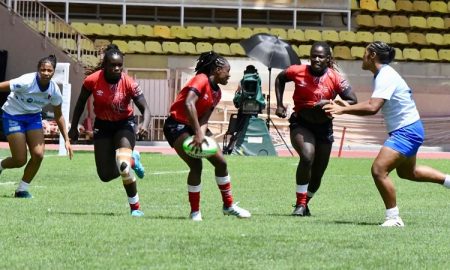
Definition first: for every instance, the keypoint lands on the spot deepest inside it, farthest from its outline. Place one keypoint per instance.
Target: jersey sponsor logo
(17, 86)
(12, 129)
(99, 93)
(302, 84)
(30, 100)
(205, 97)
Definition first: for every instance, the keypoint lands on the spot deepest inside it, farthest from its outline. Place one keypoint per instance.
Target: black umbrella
(273, 53)
(270, 50)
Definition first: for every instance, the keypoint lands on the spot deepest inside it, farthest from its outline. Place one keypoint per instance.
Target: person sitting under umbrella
(311, 129)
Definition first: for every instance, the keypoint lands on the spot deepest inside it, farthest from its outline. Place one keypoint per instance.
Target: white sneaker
(393, 222)
(196, 216)
(235, 210)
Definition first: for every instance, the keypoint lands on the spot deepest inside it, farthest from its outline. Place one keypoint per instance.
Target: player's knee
(196, 165)
(378, 172)
(221, 166)
(37, 156)
(123, 160)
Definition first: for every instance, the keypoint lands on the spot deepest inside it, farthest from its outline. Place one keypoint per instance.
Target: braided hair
(384, 52)
(208, 61)
(48, 59)
(111, 50)
(332, 64)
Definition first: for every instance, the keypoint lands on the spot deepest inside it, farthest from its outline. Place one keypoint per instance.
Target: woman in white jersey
(393, 96)
(22, 120)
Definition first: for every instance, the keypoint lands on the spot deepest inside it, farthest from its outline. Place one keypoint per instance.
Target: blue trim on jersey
(407, 140)
(21, 123)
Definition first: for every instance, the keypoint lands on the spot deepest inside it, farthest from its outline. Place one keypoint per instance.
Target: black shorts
(323, 132)
(173, 129)
(107, 129)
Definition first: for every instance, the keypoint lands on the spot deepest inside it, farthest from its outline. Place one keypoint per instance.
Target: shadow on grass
(114, 214)
(347, 222)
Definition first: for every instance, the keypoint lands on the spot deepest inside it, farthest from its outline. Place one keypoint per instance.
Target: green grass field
(75, 221)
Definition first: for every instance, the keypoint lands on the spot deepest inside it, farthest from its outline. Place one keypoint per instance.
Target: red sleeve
(341, 83)
(199, 82)
(89, 82)
(292, 71)
(133, 86)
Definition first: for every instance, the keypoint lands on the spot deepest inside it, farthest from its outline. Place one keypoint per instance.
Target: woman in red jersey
(189, 115)
(115, 126)
(311, 128)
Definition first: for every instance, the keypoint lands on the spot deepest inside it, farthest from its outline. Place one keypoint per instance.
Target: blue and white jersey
(27, 98)
(399, 109)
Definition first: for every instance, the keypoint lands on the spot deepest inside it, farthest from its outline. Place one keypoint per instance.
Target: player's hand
(280, 111)
(333, 108)
(73, 134)
(69, 149)
(341, 102)
(197, 141)
(142, 132)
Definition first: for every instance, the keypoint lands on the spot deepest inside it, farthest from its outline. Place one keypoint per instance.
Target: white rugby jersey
(27, 98)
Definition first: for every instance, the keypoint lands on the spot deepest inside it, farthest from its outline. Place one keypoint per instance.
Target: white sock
(302, 188)
(133, 200)
(392, 212)
(447, 181)
(23, 186)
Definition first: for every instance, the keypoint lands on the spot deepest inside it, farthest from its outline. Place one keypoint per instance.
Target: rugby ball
(209, 148)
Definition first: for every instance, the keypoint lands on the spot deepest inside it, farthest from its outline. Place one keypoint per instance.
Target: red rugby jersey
(112, 102)
(310, 89)
(208, 98)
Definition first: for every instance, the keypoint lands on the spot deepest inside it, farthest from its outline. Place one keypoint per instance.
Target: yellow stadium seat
(94, 29)
(236, 49)
(446, 39)
(170, 47)
(354, 5)
(87, 45)
(195, 32)
(90, 60)
(330, 36)
(187, 48)
(421, 6)
(357, 52)
(347, 36)
(32, 24)
(111, 29)
(411, 54)
(144, 30)
(447, 21)
(370, 5)
(304, 51)
(46, 26)
(228, 32)
(261, 30)
(342, 52)
(295, 48)
(364, 37)
(162, 31)
(404, 5)
(123, 45)
(399, 21)
(279, 32)
(62, 27)
(79, 26)
(295, 34)
(128, 30)
(417, 39)
(436, 23)
(67, 44)
(439, 6)
(136, 46)
(153, 47)
(444, 55)
(222, 48)
(386, 5)
(398, 54)
(203, 47)
(244, 32)
(101, 43)
(313, 35)
(178, 31)
(364, 20)
(435, 39)
(382, 36)
(399, 38)
(211, 32)
(429, 54)
(418, 22)
(383, 21)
